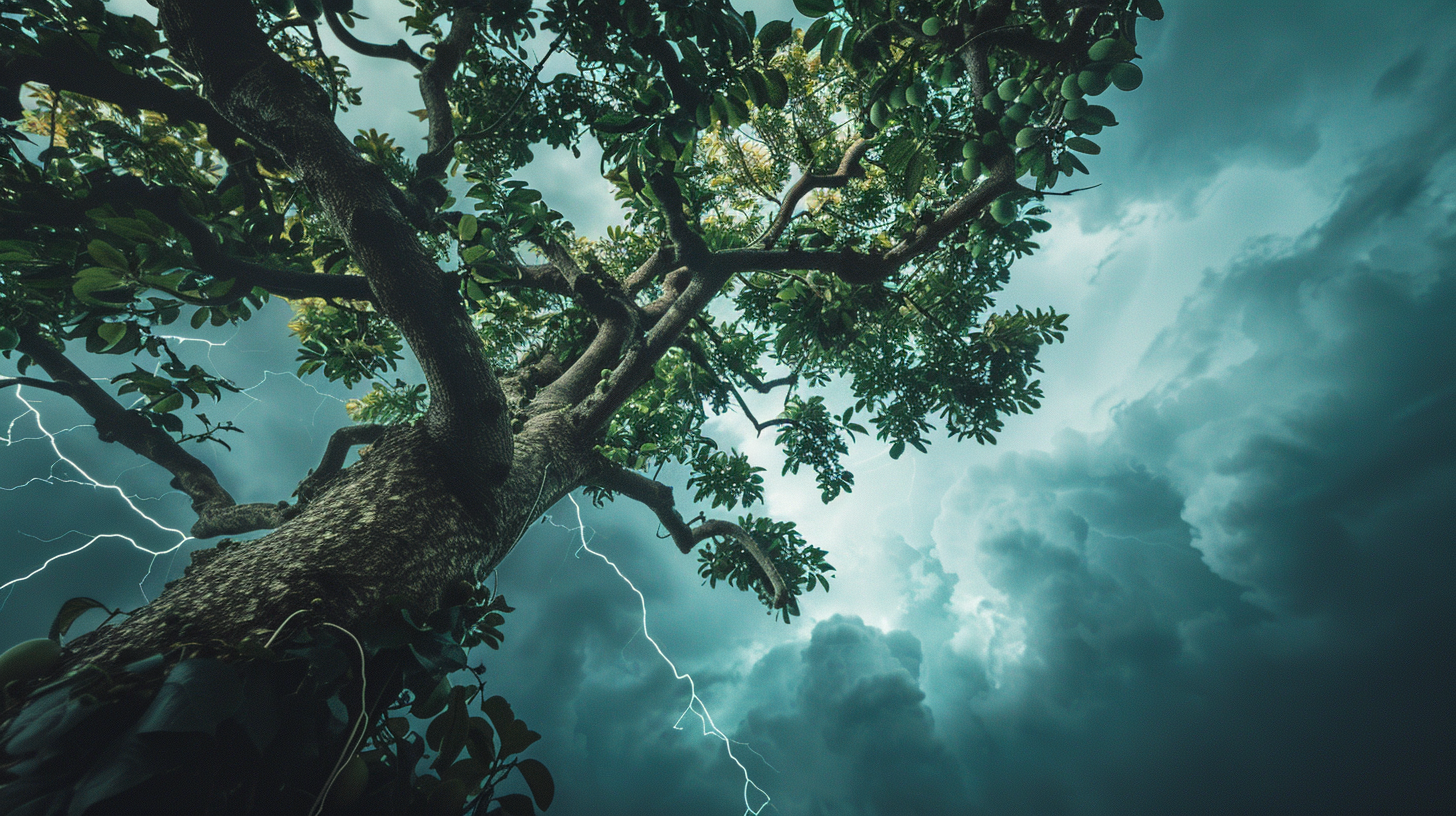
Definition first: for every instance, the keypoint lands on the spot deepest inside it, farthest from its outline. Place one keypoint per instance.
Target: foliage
(422, 746)
(820, 211)
(695, 92)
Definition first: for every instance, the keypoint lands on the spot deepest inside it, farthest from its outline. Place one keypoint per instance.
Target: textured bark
(393, 524)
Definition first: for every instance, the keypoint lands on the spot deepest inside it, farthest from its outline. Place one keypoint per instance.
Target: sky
(1211, 575)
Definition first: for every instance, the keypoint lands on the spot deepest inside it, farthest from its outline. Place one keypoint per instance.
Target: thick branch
(217, 513)
(64, 66)
(280, 108)
(44, 385)
(849, 167)
(166, 204)
(435, 78)
(658, 498)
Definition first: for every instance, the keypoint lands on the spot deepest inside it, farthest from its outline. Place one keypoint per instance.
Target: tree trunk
(391, 529)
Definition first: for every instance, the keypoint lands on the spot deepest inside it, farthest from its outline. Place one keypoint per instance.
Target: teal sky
(1213, 574)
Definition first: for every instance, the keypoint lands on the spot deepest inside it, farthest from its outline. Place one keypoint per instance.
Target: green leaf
(112, 333)
(70, 611)
(107, 255)
(167, 404)
(814, 8)
(774, 34)
(897, 449)
(468, 227)
(538, 779)
(778, 87)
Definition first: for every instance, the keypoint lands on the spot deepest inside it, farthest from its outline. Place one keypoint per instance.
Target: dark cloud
(1238, 599)
(1267, 82)
(847, 714)
(1400, 77)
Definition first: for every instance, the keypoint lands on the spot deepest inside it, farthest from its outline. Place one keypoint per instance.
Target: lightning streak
(131, 501)
(695, 703)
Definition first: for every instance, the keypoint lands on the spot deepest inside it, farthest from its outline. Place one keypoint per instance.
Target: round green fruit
(916, 94)
(897, 98)
(930, 27)
(1026, 137)
(970, 149)
(29, 659)
(879, 114)
(1092, 81)
(1074, 109)
(1071, 88)
(1008, 89)
(1003, 210)
(1018, 113)
(992, 103)
(1112, 48)
(9, 338)
(970, 169)
(1126, 76)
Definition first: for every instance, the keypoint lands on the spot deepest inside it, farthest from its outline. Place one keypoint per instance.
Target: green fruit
(970, 169)
(1092, 81)
(879, 114)
(1126, 76)
(348, 785)
(992, 103)
(897, 98)
(1113, 49)
(1003, 210)
(930, 27)
(1071, 88)
(916, 94)
(1074, 109)
(949, 73)
(309, 9)
(969, 150)
(1008, 89)
(29, 659)
(9, 338)
(1100, 116)
(1018, 113)
(683, 131)
(1030, 96)
(1026, 137)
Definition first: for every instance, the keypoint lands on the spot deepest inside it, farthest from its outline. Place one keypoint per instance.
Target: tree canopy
(821, 208)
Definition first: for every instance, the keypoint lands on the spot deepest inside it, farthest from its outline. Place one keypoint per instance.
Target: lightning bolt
(88, 480)
(695, 706)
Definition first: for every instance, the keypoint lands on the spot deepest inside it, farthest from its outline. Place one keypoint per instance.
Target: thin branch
(658, 498)
(748, 377)
(849, 167)
(397, 51)
(334, 455)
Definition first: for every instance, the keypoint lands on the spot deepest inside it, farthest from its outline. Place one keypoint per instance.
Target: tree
(808, 212)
